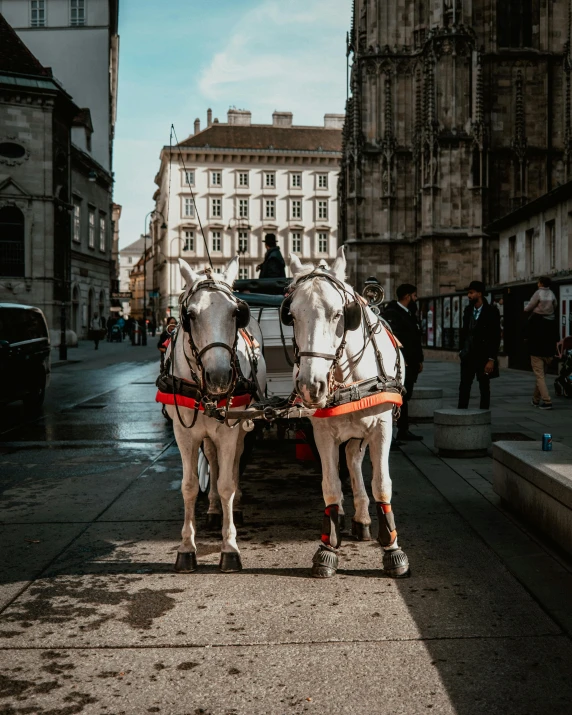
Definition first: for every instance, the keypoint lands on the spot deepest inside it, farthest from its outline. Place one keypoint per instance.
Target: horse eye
(192, 314)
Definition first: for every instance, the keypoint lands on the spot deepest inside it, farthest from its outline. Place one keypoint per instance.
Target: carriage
(279, 352)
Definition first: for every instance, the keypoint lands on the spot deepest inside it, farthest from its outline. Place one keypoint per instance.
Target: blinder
(286, 317)
(352, 314)
(242, 314)
(185, 319)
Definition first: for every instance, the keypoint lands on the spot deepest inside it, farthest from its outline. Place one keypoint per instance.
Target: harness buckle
(212, 410)
(354, 393)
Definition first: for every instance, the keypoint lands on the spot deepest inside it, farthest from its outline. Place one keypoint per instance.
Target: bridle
(354, 313)
(242, 315)
(352, 317)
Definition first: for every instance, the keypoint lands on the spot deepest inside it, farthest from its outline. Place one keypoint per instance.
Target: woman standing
(541, 337)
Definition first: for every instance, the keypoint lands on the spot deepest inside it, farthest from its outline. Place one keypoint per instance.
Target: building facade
(129, 258)
(36, 119)
(78, 41)
(460, 111)
(239, 181)
(92, 265)
(534, 240)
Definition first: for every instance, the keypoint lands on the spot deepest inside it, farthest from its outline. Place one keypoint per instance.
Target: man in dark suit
(400, 316)
(273, 265)
(480, 341)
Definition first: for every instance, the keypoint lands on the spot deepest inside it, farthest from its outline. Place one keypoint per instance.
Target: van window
(18, 324)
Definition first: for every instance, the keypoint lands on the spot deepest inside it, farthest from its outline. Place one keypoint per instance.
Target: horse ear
(189, 276)
(295, 264)
(339, 265)
(231, 271)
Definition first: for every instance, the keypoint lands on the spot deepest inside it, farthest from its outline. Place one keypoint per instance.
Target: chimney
(197, 125)
(240, 117)
(209, 117)
(282, 119)
(334, 121)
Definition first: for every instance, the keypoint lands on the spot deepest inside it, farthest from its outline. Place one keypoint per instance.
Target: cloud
(288, 56)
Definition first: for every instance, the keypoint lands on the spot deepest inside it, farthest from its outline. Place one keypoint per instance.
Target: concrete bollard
(462, 433)
(424, 402)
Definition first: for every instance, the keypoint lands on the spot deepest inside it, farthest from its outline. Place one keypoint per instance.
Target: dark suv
(25, 363)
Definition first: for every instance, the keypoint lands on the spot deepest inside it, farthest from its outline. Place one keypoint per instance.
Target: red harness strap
(379, 398)
(169, 399)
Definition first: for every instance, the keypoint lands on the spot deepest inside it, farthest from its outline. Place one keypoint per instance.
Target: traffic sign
(123, 295)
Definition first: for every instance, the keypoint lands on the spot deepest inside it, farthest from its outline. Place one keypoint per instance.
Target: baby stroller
(116, 335)
(563, 383)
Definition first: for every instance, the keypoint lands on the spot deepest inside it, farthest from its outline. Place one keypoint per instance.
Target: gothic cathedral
(459, 112)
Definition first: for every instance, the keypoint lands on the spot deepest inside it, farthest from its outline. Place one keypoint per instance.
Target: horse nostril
(207, 376)
(230, 375)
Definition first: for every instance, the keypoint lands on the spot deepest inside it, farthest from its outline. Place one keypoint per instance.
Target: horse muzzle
(218, 382)
(313, 395)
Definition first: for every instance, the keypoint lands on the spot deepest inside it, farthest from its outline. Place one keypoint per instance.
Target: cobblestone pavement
(93, 619)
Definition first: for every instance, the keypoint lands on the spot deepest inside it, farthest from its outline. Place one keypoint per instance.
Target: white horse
(340, 341)
(203, 353)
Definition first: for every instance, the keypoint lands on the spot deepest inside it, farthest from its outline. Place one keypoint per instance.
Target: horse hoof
(214, 521)
(395, 563)
(361, 531)
(186, 563)
(230, 562)
(238, 518)
(324, 563)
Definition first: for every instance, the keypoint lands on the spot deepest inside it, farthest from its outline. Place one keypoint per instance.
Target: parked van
(25, 363)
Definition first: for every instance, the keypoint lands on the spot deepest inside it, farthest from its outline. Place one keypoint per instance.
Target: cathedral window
(514, 23)
(11, 242)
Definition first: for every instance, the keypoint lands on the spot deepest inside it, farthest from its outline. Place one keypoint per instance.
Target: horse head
(210, 318)
(322, 311)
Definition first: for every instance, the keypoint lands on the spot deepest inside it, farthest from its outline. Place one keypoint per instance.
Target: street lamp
(145, 236)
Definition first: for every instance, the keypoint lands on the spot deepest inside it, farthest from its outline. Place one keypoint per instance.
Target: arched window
(514, 23)
(12, 261)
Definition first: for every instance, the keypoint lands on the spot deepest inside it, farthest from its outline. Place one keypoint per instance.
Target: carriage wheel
(204, 471)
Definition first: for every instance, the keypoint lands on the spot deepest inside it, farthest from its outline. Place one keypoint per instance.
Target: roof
(15, 56)
(135, 247)
(267, 137)
(546, 201)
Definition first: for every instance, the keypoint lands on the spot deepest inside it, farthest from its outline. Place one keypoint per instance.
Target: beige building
(460, 112)
(240, 181)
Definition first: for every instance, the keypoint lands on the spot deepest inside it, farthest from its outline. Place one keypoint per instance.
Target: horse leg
(227, 452)
(362, 520)
(325, 560)
(187, 552)
(238, 515)
(214, 514)
(395, 562)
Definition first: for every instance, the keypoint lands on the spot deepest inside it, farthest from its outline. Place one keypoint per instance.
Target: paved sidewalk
(93, 619)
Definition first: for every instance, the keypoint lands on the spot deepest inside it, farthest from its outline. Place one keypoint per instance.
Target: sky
(180, 57)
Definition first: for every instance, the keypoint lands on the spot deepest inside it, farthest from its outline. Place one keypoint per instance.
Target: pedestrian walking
(95, 330)
(273, 265)
(400, 314)
(480, 341)
(541, 336)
